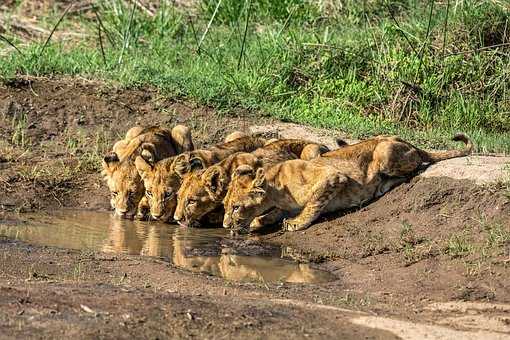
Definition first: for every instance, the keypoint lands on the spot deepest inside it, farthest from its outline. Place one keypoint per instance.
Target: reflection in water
(198, 250)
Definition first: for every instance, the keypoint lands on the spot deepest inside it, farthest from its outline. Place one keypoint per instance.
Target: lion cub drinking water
(340, 179)
(163, 179)
(119, 169)
(202, 191)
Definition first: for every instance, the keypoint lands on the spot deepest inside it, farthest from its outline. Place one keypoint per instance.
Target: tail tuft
(461, 137)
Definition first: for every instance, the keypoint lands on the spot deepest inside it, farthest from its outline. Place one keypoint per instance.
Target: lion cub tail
(433, 157)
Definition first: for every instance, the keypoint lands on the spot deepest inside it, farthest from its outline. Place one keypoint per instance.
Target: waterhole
(209, 251)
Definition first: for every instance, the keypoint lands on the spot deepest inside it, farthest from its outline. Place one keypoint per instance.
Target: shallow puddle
(210, 251)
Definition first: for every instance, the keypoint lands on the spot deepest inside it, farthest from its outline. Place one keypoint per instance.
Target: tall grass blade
(286, 21)
(100, 36)
(422, 49)
(209, 25)
(106, 32)
(400, 29)
(127, 35)
(245, 33)
(445, 31)
(54, 29)
(190, 20)
(11, 44)
(485, 48)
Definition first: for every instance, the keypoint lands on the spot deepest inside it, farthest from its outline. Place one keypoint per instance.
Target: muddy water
(210, 251)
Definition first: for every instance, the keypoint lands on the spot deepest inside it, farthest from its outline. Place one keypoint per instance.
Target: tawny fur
(340, 179)
(234, 135)
(163, 179)
(202, 192)
(119, 170)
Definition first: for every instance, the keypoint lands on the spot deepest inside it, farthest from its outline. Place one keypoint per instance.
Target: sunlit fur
(163, 179)
(159, 181)
(120, 173)
(347, 177)
(202, 192)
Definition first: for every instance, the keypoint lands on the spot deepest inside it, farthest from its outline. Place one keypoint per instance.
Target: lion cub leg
(272, 217)
(233, 136)
(397, 159)
(143, 209)
(322, 193)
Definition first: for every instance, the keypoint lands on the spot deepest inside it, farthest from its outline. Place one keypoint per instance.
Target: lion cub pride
(248, 182)
(120, 173)
(162, 179)
(202, 191)
(297, 192)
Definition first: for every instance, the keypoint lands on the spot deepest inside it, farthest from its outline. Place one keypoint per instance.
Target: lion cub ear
(243, 170)
(135, 131)
(196, 163)
(149, 152)
(110, 161)
(120, 146)
(142, 166)
(181, 135)
(215, 182)
(186, 163)
(180, 164)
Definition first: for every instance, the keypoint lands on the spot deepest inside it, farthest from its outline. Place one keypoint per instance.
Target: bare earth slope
(430, 258)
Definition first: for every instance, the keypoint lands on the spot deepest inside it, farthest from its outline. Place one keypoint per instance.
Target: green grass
(364, 67)
(459, 246)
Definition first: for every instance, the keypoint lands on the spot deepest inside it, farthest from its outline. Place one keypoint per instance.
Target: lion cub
(202, 192)
(340, 179)
(119, 169)
(163, 179)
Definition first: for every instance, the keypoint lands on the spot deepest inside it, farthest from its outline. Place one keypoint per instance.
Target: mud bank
(433, 240)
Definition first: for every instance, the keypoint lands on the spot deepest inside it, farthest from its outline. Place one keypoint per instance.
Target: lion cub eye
(236, 208)
(192, 202)
(168, 195)
(115, 193)
(148, 193)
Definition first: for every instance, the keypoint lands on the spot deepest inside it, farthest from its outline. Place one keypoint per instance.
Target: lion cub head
(245, 198)
(201, 192)
(125, 185)
(163, 179)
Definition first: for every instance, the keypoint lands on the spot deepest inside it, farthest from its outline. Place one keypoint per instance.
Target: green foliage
(459, 246)
(230, 12)
(366, 67)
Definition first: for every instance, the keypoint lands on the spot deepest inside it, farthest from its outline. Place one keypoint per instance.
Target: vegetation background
(420, 69)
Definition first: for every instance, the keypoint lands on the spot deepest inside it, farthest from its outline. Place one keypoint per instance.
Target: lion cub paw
(257, 223)
(294, 225)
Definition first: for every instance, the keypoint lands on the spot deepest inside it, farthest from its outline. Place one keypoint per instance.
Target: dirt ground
(430, 258)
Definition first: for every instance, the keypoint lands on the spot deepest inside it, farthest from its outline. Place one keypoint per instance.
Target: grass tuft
(424, 70)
